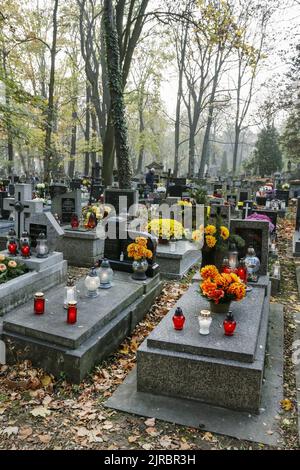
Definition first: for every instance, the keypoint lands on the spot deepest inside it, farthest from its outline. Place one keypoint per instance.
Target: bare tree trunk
(236, 149)
(49, 151)
(87, 131)
(71, 168)
(183, 45)
(205, 146)
(10, 146)
(116, 96)
(94, 135)
(141, 136)
(192, 131)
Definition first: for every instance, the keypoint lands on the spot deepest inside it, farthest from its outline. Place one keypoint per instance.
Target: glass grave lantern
(105, 274)
(205, 320)
(92, 283)
(178, 319)
(229, 324)
(233, 257)
(70, 295)
(253, 264)
(25, 245)
(42, 249)
(12, 243)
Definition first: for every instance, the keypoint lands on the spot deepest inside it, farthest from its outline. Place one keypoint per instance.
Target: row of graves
(60, 327)
(225, 383)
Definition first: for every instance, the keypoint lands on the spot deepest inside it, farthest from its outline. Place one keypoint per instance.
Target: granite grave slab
(103, 323)
(177, 258)
(262, 428)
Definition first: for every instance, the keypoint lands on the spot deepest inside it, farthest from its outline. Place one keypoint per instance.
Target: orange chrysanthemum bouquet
(138, 250)
(221, 288)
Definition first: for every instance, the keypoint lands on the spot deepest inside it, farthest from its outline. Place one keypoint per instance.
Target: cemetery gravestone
(4, 213)
(65, 205)
(96, 187)
(23, 206)
(243, 196)
(114, 247)
(47, 224)
(75, 184)
(283, 196)
(121, 199)
(255, 233)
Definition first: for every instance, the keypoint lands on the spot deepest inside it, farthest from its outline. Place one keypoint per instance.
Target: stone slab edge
(240, 425)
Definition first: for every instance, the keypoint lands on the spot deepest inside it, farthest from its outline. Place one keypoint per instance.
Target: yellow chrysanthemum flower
(224, 232)
(210, 241)
(209, 272)
(210, 230)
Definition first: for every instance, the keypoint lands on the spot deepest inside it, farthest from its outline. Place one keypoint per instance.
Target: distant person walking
(150, 179)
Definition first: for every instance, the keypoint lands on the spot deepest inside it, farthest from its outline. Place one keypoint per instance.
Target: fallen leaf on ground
(25, 432)
(150, 422)
(40, 411)
(45, 438)
(10, 430)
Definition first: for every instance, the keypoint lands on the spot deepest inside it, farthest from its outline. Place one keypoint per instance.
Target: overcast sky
(284, 29)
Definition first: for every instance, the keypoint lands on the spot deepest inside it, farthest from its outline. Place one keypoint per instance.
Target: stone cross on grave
(23, 206)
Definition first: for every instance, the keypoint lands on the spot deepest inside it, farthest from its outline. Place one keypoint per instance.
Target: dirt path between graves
(56, 415)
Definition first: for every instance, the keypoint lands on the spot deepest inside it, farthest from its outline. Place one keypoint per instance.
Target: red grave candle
(178, 319)
(74, 221)
(25, 250)
(12, 248)
(229, 324)
(72, 312)
(39, 303)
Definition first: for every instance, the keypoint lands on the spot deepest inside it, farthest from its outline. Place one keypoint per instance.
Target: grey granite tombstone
(47, 224)
(121, 199)
(23, 206)
(64, 205)
(255, 233)
(3, 213)
(243, 195)
(114, 247)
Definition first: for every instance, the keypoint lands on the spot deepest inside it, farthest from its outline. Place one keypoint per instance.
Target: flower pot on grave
(219, 308)
(139, 270)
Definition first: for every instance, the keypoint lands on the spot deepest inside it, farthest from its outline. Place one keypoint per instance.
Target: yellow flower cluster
(166, 228)
(138, 250)
(197, 235)
(212, 234)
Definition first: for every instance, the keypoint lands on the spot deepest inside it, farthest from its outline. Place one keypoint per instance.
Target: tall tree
(50, 160)
(116, 95)
(267, 153)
